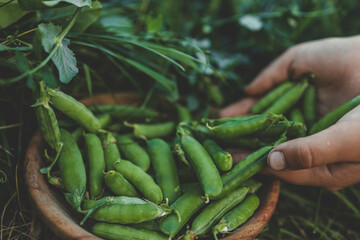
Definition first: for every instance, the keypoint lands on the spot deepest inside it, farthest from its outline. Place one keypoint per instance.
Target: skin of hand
(330, 158)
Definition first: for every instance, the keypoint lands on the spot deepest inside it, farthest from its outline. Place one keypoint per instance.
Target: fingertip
(276, 161)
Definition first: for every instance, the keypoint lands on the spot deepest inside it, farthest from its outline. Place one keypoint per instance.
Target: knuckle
(305, 156)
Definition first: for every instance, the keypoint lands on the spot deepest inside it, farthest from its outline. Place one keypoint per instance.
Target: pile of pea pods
(137, 175)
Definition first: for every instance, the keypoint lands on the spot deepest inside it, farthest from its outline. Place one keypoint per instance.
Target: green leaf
(88, 16)
(63, 57)
(9, 13)
(60, 16)
(88, 78)
(78, 3)
(21, 62)
(251, 22)
(154, 24)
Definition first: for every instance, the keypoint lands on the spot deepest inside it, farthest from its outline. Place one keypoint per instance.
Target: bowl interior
(64, 222)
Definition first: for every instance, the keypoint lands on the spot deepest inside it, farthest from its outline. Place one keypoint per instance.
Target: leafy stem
(57, 41)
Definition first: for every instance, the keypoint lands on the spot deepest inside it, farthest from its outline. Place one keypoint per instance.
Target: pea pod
(179, 152)
(245, 169)
(133, 151)
(155, 130)
(332, 117)
(49, 129)
(240, 128)
(222, 159)
(288, 99)
(96, 160)
(104, 120)
(218, 121)
(152, 225)
(74, 109)
(165, 169)
(309, 105)
(183, 113)
(111, 151)
(72, 170)
(271, 97)
(127, 113)
(292, 129)
(125, 210)
(214, 211)
(118, 185)
(47, 120)
(141, 180)
(204, 166)
(120, 232)
(237, 216)
(185, 207)
(297, 116)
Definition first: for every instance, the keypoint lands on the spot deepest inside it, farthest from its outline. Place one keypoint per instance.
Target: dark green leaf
(9, 13)
(63, 58)
(61, 16)
(78, 3)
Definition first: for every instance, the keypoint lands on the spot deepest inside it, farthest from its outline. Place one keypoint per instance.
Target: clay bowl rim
(59, 217)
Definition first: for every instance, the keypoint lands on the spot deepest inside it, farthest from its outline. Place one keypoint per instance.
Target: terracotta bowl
(51, 206)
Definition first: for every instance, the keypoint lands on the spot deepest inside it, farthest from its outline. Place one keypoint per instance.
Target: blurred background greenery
(200, 53)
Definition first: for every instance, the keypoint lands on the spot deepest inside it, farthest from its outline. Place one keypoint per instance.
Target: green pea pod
(47, 120)
(218, 121)
(152, 225)
(127, 113)
(183, 113)
(72, 170)
(332, 117)
(118, 185)
(104, 120)
(111, 151)
(184, 207)
(245, 127)
(214, 211)
(125, 210)
(296, 129)
(309, 105)
(237, 216)
(165, 169)
(155, 130)
(292, 129)
(271, 97)
(49, 129)
(179, 152)
(74, 109)
(96, 162)
(141, 180)
(222, 159)
(297, 116)
(203, 164)
(288, 99)
(245, 169)
(132, 151)
(120, 232)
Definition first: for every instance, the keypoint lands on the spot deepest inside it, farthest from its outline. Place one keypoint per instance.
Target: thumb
(338, 143)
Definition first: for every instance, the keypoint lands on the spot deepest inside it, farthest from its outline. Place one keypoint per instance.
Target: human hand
(328, 158)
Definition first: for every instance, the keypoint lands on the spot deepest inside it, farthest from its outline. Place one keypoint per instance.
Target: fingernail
(277, 161)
